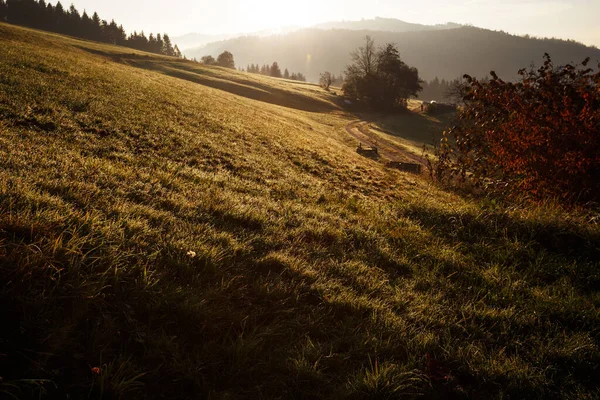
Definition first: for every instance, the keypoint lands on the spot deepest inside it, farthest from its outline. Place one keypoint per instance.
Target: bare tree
(326, 80)
(456, 91)
(364, 59)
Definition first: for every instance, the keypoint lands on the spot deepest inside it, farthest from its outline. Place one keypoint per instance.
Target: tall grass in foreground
(165, 236)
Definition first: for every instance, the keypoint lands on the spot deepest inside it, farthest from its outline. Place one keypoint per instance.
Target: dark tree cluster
(45, 16)
(225, 59)
(275, 71)
(434, 89)
(451, 91)
(540, 135)
(379, 79)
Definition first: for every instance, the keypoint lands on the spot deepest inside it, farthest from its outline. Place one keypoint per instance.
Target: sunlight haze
(548, 18)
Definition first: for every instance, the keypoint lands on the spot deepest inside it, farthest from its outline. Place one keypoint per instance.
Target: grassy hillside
(448, 53)
(174, 231)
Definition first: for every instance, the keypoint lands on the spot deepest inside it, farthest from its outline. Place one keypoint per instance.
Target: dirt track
(386, 148)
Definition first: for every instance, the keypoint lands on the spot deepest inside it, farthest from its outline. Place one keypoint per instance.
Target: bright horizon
(576, 19)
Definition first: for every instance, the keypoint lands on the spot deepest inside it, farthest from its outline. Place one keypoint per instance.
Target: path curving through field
(388, 149)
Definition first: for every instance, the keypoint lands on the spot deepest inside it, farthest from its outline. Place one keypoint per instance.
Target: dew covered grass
(169, 230)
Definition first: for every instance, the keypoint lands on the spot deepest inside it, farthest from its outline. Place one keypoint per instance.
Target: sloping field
(174, 231)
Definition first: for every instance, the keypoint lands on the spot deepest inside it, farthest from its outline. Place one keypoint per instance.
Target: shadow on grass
(245, 323)
(188, 71)
(413, 126)
(210, 325)
(569, 242)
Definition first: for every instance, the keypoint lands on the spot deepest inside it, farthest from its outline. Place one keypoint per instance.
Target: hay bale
(406, 167)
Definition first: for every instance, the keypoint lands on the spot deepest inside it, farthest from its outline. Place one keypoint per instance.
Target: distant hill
(192, 40)
(198, 39)
(384, 24)
(445, 53)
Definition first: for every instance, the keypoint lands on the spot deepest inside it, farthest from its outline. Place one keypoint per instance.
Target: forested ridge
(45, 16)
(445, 54)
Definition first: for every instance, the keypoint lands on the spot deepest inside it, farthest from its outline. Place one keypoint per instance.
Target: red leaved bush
(540, 135)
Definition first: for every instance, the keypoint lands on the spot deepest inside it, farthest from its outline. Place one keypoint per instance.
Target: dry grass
(195, 232)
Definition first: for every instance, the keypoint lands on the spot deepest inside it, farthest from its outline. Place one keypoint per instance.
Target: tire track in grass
(388, 149)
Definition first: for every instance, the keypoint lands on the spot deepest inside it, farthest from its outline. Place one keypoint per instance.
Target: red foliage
(540, 135)
(435, 370)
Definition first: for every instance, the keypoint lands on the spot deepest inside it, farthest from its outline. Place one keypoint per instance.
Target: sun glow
(272, 14)
(235, 16)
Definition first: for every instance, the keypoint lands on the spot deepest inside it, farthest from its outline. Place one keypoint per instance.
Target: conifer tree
(59, 18)
(167, 46)
(176, 52)
(275, 71)
(74, 21)
(97, 33)
(86, 26)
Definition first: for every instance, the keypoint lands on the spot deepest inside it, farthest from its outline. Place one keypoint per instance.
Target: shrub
(540, 135)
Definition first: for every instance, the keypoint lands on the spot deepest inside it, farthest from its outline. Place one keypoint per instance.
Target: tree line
(45, 16)
(275, 71)
(437, 89)
(225, 59)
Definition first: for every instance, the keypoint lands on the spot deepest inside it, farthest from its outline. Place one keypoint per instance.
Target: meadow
(169, 230)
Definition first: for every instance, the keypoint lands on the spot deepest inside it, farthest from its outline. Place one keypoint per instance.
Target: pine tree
(86, 26)
(159, 44)
(74, 23)
(96, 30)
(275, 70)
(49, 23)
(60, 18)
(286, 74)
(167, 46)
(176, 52)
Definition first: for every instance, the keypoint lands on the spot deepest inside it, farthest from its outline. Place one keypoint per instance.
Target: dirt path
(388, 149)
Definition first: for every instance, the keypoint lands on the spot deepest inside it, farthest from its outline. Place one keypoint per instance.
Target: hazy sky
(575, 19)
